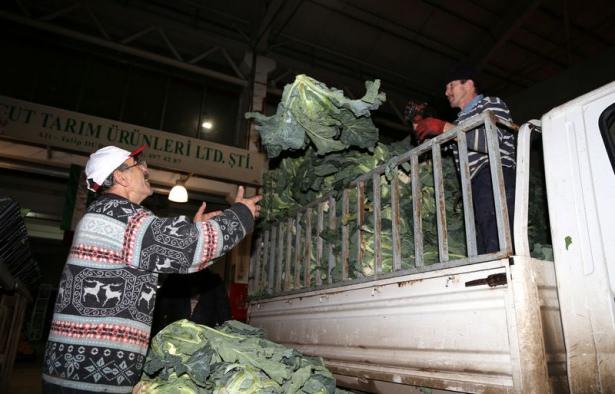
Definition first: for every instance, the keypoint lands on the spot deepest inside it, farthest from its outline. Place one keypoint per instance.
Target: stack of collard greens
(298, 181)
(234, 358)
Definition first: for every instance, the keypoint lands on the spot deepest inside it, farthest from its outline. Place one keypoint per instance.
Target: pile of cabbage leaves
(188, 358)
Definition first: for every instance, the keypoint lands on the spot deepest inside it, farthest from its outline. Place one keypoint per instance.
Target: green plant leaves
(310, 113)
(234, 358)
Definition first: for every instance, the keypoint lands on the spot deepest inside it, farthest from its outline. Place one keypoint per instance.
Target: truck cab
(579, 151)
(455, 321)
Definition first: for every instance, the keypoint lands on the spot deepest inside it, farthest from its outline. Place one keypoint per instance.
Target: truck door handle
(492, 280)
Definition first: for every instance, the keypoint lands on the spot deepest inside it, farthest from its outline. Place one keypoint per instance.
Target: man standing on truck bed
(462, 91)
(103, 312)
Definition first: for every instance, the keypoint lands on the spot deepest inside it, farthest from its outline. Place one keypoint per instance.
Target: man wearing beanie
(462, 91)
(103, 312)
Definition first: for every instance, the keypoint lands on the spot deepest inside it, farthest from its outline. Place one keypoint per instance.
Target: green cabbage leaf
(310, 113)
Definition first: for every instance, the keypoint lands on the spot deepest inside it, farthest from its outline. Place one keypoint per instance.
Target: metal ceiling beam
(542, 55)
(161, 32)
(232, 63)
(580, 29)
(402, 32)
(275, 7)
(94, 18)
(122, 48)
(529, 66)
(367, 17)
(61, 12)
(23, 8)
(278, 13)
(290, 15)
(336, 62)
(487, 45)
(200, 5)
(136, 35)
(191, 13)
(544, 38)
(486, 31)
(438, 5)
(203, 55)
(502, 30)
(327, 65)
(170, 45)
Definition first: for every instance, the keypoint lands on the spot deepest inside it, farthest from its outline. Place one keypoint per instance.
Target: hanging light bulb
(207, 124)
(178, 192)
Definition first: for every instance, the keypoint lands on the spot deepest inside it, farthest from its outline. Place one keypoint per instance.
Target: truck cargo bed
(426, 329)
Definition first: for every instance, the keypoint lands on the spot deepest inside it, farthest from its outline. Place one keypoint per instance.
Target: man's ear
(119, 178)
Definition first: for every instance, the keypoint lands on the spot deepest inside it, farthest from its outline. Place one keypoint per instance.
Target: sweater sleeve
(178, 245)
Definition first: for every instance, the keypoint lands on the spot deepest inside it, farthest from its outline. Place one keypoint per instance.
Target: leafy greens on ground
(233, 358)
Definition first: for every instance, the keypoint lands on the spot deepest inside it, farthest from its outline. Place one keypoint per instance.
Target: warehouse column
(258, 67)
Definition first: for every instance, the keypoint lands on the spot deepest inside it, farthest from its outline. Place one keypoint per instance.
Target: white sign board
(40, 124)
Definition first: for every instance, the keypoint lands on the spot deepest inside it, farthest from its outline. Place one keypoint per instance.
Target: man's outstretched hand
(250, 202)
(201, 216)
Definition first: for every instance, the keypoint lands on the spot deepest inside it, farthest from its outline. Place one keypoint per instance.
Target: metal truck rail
(282, 262)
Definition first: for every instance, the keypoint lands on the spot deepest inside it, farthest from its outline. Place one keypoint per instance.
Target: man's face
(138, 179)
(459, 93)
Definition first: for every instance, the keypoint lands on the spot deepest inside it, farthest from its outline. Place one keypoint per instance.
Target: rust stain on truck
(408, 282)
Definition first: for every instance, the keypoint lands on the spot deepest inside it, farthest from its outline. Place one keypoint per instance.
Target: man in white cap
(103, 313)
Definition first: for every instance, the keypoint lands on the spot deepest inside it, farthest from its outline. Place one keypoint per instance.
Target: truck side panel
(424, 329)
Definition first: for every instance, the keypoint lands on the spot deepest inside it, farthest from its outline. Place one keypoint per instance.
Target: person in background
(212, 304)
(103, 313)
(201, 298)
(463, 92)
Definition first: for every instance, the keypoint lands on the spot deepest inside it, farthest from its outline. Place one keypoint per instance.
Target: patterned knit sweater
(477, 138)
(103, 313)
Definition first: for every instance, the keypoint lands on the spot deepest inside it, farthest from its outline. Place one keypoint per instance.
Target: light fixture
(207, 124)
(179, 193)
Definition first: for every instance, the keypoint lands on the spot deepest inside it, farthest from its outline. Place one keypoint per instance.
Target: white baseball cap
(104, 161)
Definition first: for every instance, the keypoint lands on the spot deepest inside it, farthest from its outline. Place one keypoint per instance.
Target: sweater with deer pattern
(103, 312)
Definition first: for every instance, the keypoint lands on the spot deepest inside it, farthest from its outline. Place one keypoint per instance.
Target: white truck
(529, 326)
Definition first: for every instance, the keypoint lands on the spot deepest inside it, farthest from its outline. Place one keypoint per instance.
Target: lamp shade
(178, 193)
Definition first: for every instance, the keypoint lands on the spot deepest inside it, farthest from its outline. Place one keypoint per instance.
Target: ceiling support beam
(351, 11)
(232, 63)
(138, 34)
(328, 61)
(272, 12)
(61, 12)
(23, 8)
(502, 30)
(170, 45)
(278, 14)
(123, 48)
(99, 26)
